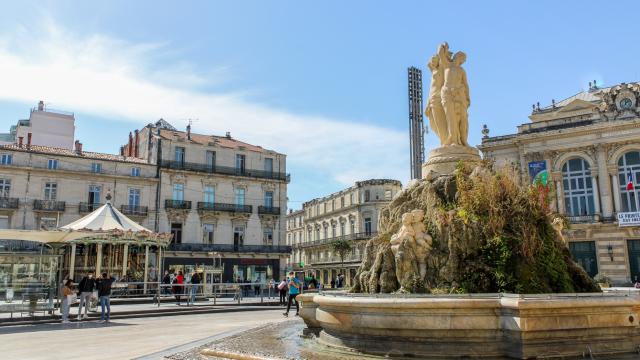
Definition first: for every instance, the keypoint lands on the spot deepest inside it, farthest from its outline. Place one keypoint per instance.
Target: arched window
(629, 170)
(578, 188)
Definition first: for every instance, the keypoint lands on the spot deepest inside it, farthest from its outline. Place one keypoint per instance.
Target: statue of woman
(434, 110)
(455, 100)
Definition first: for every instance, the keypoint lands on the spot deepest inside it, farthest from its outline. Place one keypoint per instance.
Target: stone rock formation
(477, 230)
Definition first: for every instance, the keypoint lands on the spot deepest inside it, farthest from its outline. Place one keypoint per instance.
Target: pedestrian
(178, 284)
(256, 287)
(85, 291)
(272, 286)
(313, 283)
(294, 290)
(333, 283)
(104, 294)
(282, 289)
(166, 283)
(67, 299)
(195, 281)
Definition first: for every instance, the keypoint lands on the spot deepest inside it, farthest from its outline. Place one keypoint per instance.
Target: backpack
(282, 285)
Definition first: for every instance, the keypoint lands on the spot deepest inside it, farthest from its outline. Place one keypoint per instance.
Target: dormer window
(52, 164)
(96, 168)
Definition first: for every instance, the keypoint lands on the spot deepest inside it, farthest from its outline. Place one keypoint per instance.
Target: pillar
(72, 260)
(604, 185)
(596, 195)
(146, 267)
(560, 197)
(125, 260)
(615, 183)
(98, 259)
(86, 257)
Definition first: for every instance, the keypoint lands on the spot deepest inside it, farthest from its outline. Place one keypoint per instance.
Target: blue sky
(323, 82)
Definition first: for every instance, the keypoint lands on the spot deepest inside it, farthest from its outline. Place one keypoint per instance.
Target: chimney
(137, 144)
(228, 135)
(29, 141)
(130, 146)
(41, 105)
(79, 148)
(20, 138)
(76, 145)
(189, 132)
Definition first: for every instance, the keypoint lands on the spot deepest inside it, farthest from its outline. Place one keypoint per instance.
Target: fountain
(470, 262)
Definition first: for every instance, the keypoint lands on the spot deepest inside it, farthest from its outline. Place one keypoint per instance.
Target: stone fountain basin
(478, 325)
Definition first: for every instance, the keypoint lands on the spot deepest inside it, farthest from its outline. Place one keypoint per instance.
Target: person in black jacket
(104, 293)
(85, 291)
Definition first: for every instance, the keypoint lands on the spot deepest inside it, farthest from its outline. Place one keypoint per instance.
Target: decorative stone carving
(559, 225)
(410, 246)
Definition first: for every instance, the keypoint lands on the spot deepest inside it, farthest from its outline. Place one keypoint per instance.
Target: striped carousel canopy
(105, 218)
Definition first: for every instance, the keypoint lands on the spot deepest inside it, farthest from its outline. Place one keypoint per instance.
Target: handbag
(71, 299)
(282, 285)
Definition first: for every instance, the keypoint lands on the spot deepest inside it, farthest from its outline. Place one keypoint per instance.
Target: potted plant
(603, 280)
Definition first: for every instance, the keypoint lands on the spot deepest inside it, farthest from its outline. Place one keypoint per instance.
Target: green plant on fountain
(484, 232)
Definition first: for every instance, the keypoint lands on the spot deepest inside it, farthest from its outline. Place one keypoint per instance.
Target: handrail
(49, 205)
(356, 236)
(229, 248)
(214, 206)
(177, 204)
(224, 170)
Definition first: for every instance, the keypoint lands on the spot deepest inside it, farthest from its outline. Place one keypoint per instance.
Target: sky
(323, 82)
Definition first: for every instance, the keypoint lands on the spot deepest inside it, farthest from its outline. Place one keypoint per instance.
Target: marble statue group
(448, 97)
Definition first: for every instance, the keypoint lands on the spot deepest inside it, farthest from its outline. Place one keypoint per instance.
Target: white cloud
(113, 78)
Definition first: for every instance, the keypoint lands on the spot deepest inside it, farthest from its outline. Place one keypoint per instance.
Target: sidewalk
(129, 308)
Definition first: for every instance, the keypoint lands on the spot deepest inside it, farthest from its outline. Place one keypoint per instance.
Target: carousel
(102, 241)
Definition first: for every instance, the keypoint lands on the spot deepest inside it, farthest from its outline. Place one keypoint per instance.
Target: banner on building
(538, 172)
(629, 219)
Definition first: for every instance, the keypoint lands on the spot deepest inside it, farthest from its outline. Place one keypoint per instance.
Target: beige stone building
(223, 200)
(589, 145)
(352, 214)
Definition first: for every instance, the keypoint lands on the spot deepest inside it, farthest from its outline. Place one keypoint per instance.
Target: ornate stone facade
(590, 145)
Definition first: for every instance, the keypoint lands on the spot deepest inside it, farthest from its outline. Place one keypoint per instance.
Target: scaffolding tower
(416, 123)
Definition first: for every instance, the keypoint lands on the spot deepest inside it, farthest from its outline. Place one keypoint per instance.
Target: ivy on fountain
(489, 233)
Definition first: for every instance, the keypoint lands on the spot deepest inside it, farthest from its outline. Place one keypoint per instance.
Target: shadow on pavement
(58, 326)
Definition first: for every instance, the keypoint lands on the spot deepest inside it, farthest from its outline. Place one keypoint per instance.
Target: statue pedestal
(443, 160)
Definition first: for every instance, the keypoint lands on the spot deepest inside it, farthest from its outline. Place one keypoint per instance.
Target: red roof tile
(68, 152)
(221, 141)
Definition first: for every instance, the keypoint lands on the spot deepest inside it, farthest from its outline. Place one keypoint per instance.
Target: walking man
(104, 294)
(294, 290)
(195, 281)
(85, 291)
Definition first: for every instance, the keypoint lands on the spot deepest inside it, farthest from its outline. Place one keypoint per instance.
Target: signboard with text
(538, 172)
(629, 219)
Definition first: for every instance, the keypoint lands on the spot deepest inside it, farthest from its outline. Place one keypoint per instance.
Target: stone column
(615, 183)
(98, 259)
(560, 196)
(604, 186)
(146, 267)
(125, 259)
(596, 195)
(72, 260)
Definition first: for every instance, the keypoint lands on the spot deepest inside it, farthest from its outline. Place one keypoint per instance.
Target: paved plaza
(134, 338)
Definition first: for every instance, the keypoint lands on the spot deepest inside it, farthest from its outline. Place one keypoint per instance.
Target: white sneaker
(101, 322)
(65, 321)
(79, 318)
(85, 316)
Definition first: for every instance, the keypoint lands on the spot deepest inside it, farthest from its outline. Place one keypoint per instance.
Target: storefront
(231, 269)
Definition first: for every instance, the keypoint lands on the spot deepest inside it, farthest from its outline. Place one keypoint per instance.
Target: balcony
(177, 204)
(85, 207)
(584, 219)
(48, 205)
(352, 237)
(209, 206)
(277, 249)
(134, 210)
(223, 170)
(8, 203)
(268, 210)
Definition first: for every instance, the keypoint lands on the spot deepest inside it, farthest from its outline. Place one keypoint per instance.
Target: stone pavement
(146, 338)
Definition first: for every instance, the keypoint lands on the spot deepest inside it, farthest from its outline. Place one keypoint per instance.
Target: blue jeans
(194, 291)
(105, 302)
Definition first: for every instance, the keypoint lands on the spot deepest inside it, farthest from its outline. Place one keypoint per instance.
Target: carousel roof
(105, 218)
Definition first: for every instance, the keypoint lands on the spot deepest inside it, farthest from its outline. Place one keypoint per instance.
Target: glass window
(629, 178)
(210, 159)
(353, 227)
(239, 196)
(209, 194)
(342, 229)
(333, 230)
(207, 233)
(6, 159)
(240, 163)
(96, 168)
(94, 194)
(48, 223)
(134, 197)
(367, 225)
(317, 234)
(342, 202)
(387, 194)
(178, 192)
(268, 199)
(50, 191)
(326, 232)
(268, 236)
(52, 164)
(5, 188)
(135, 171)
(578, 196)
(268, 165)
(367, 195)
(179, 155)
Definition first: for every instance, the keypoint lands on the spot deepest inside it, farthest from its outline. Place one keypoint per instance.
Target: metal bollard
(261, 294)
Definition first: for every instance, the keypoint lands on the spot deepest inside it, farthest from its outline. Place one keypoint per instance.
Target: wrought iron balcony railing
(85, 207)
(8, 203)
(584, 219)
(177, 204)
(49, 205)
(224, 170)
(268, 210)
(279, 249)
(353, 237)
(134, 210)
(212, 206)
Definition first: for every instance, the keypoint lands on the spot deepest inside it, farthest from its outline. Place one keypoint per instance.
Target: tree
(341, 247)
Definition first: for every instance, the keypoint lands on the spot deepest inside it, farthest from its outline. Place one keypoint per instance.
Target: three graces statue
(448, 97)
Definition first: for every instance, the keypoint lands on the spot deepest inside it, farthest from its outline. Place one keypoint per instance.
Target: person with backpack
(294, 289)
(104, 294)
(282, 289)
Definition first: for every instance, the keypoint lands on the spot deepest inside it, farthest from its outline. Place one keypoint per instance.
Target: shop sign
(629, 219)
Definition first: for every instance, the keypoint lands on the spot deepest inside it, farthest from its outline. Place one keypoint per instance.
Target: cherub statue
(406, 231)
(423, 241)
